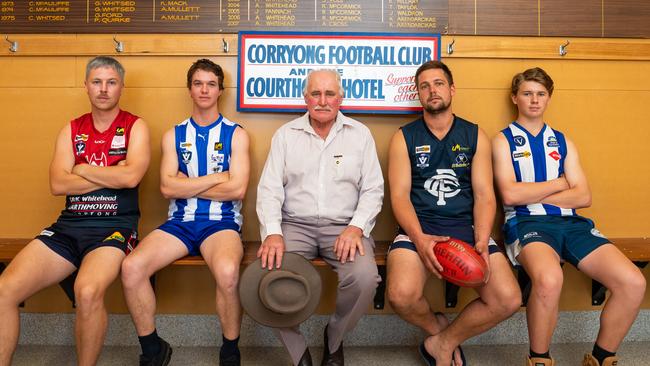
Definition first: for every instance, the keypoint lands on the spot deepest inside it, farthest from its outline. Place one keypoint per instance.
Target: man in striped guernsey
(542, 184)
(204, 172)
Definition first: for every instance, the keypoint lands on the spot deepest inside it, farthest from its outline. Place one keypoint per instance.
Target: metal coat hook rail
(563, 47)
(450, 47)
(226, 46)
(13, 44)
(119, 45)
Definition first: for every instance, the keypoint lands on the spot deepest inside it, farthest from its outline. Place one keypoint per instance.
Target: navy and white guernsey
(204, 150)
(536, 159)
(441, 180)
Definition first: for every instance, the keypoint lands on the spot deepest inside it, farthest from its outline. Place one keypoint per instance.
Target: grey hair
(331, 71)
(105, 61)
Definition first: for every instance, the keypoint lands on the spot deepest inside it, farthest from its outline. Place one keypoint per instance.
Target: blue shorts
(74, 243)
(572, 237)
(194, 233)
(458, 231)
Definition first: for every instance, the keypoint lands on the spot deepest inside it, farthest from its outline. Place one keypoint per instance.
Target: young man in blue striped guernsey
(538, 173)
(204, 171)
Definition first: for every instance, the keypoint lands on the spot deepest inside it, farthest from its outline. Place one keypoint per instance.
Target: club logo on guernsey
(187, 156)
(443, 185)
(519, 140)
(98, 160)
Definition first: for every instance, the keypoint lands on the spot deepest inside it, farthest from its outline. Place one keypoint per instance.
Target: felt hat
(282, 297)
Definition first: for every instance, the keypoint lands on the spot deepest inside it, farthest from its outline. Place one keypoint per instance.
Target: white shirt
(310, 180)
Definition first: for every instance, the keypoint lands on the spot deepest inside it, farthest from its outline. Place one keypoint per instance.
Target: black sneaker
(232, 360)
(161, 359)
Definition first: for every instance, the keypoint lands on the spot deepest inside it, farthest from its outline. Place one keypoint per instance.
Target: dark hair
(105, 61)
(434, 65)
(535, 74)
(205, 65)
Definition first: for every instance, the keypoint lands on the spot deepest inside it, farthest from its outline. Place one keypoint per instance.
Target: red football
(461, 264)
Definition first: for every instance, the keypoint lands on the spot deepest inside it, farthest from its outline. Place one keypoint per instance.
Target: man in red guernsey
(99, 160)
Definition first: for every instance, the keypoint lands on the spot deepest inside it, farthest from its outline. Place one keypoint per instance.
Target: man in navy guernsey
(541, 182)
(440, 176)
(204, 172)
(99, 160)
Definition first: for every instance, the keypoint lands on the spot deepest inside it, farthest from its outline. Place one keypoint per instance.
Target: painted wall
(600, 104)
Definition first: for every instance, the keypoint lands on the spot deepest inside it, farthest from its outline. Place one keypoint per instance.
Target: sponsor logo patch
(552, 142)
(186, 145)
(219, 158)
(81, 137)
(555, 155)
(597, 233)
(115, 236)
(531, 234)
(525, 154)
(423, 149)
(119, 131)
(47, 233)
(457, 147)
(118, 142)
(113, 152)
(462, 161)
(218, 146)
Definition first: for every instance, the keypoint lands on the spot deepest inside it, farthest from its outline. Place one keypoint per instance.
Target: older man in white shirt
(319, 196)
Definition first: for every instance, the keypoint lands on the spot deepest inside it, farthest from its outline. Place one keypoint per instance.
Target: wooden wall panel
(462, 18)
(582, 18)
(627, 18)
(507, 17)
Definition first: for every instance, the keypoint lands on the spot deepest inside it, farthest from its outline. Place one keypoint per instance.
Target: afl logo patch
(519, 140)
(187, 156)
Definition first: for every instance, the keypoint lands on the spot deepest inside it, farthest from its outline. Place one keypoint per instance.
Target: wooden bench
(636, 249)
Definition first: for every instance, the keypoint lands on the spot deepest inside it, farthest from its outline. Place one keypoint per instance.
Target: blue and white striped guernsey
(536, 159)
(204, 150)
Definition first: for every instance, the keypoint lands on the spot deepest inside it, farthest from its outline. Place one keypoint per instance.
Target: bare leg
(156, 251)
(610, 267)
(223, 252)
(33, 269)
(498, 300)
(542, 264)
(98, 270)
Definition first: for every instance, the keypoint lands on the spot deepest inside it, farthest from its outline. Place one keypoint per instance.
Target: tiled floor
(631, 354)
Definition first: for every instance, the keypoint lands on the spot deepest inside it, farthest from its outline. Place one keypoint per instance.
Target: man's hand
(481, 248)
(271, 251)
(424, 244)
(348, 243)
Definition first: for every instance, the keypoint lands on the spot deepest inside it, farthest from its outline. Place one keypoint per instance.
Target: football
(461, 264)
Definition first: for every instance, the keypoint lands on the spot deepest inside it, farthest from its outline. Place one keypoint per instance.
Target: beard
(442, 107)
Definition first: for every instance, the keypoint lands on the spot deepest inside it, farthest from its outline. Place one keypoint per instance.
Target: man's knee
(402, 296)
(227, 276)
(507, 300)
(8, 293)
(133, 271)
(634, 285)
(548, 284)
(88, 296)
(362, 278)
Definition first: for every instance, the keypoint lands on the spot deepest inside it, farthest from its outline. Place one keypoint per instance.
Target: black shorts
(74, 243)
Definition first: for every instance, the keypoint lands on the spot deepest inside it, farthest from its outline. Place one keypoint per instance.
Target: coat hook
(450, 47)
(119, 45)
(14, 44)
(226, 47)
(563, 47)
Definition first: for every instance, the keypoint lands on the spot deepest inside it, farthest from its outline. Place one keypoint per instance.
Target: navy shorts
(572, 237)
(74, 243)
(193, 233)
(462, 232)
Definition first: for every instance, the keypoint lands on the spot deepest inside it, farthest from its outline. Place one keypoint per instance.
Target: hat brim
(249, 292)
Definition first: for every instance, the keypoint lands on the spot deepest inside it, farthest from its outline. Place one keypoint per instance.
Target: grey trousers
(356, 288)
